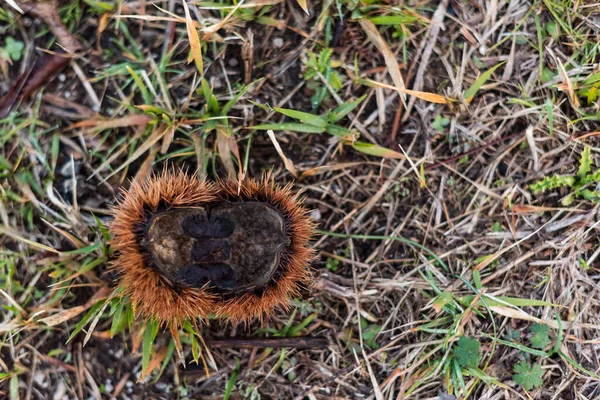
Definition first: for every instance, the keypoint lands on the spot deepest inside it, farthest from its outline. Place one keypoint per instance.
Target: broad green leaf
(568, 200)
(369, 334)
(119, 320)
(442, 300)
(195, 348)
(290, 126)
(295, 330)
(552, 182)
(376, 150)
(346, 108)
(393, 19)
(593, 78)
(477, 279)
(479, 82)
(342, 133)
(314, 120)
(209, 97)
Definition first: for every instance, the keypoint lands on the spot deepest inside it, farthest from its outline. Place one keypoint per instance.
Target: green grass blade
(231, 381)
(290, 126)
(479, 82)
(149, 336)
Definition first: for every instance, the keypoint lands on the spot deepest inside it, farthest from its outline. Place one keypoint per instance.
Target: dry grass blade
(194, 39)
(141, 120)
(10, 233)
(389, 56)
(289, 165)
(328, 168)
(148, 143)
(225, 151)
(303, 5)
(208, 32)
(429, 97)
(567, 85)
(71, 313)
(14, 5)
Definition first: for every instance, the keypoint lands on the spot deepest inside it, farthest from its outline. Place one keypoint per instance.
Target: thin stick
(274, 343)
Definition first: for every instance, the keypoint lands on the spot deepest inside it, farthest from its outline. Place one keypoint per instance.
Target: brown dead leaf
(154, 363)
(103, 23)
(235, 150)
(43, 70)
(145, 168)
(168, 139)
(46, 67)
(48, 11)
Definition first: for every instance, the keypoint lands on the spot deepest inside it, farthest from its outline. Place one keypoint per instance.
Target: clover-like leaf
(528, 376)
(539, 336)
(467, 352)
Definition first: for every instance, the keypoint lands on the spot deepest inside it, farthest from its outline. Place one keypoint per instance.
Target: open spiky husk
(154, 296)
(294, 267)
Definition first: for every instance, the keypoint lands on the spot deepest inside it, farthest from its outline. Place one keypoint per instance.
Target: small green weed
(309, 123)
(12, 49)
(579, 183)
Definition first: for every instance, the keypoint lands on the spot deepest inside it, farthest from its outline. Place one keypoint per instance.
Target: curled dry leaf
(48, 12)
(46, 67)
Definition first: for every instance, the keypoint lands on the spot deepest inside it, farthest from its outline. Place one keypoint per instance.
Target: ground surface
(495, 297)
